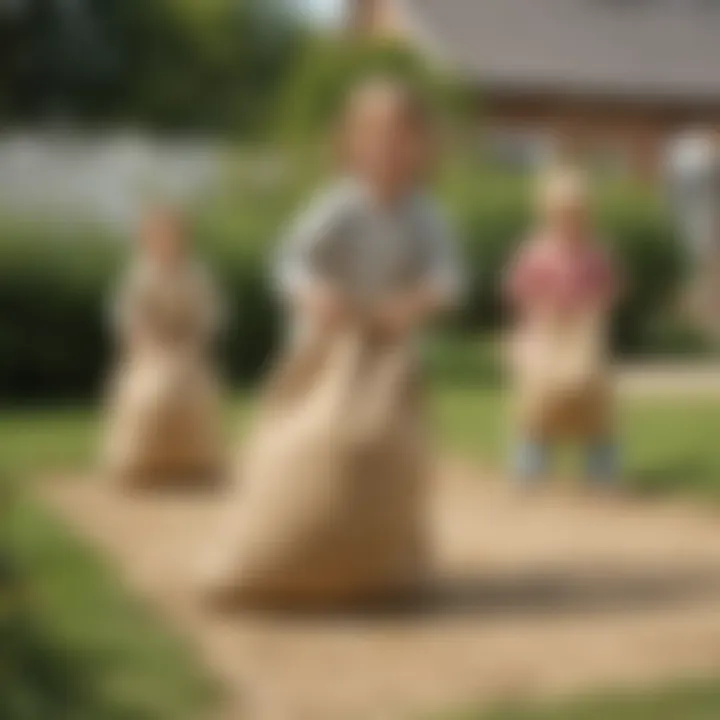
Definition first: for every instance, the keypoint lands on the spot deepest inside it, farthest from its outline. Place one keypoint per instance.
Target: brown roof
(640, 49)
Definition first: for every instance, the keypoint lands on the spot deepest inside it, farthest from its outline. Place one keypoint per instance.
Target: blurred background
(224, 106)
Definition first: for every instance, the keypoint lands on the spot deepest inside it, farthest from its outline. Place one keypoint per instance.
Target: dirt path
(538, 595)
(663, 379)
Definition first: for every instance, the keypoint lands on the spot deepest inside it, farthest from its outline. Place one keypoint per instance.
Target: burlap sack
(332, 482)
(164, 407)
(164, 423)
(563, 379)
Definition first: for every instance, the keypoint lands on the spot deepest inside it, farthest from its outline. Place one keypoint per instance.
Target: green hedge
(54, 282)
(52, 288)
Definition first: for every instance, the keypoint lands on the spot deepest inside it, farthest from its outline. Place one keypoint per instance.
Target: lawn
(143, 672)
(74, 645)
(668, 444)
(36, 441)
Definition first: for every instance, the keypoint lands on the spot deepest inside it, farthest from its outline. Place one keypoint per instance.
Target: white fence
(102, 179)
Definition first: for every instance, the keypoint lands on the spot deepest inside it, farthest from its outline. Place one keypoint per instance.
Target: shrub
(651, 258)
(52, 288)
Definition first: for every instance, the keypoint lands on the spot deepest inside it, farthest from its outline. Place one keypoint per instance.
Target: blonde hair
(562, 188)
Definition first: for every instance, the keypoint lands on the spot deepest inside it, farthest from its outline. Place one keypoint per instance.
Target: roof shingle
(647, 49)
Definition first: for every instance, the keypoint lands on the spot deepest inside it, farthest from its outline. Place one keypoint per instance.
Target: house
(617, 76)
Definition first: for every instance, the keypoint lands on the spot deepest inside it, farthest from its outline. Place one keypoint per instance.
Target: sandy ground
(667, 379)
(536, 595)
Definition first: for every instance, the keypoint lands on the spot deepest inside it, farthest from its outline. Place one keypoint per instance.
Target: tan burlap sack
(164, 405)
(563, 381)
(164, 421)
(331, 498)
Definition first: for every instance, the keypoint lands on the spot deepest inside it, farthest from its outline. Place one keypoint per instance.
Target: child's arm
(299, 273)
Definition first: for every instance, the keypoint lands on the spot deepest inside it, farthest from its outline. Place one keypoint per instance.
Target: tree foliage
(171, 64)
(328, 67)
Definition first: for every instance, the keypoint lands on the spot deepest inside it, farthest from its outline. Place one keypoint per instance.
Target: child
(164, 407)
(333, 478)
(374, 238)
(562, 287)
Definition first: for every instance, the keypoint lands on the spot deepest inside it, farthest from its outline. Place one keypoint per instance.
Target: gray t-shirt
(369, 251)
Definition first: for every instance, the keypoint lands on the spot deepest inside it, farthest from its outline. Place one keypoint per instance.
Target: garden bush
(54, 282)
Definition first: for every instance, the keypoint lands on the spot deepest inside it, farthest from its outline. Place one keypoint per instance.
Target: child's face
(571, 221)
(163, 238)
(385, 146)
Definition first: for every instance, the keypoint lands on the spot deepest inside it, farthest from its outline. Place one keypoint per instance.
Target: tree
(211, 65)
(56, 60)
(329, 67)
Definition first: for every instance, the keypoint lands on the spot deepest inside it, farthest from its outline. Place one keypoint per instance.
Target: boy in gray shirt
(373, 240)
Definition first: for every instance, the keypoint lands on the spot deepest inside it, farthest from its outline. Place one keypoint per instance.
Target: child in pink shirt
(561, 273)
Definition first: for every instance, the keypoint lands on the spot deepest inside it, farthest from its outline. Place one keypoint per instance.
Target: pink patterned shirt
(551, 275)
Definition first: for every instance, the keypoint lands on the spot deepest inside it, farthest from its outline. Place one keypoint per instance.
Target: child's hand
(138, 339)
(325, 304)
(399, 316)
(392, 318)
(405, 312)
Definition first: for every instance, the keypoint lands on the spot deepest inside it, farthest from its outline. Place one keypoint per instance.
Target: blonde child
(561, 287)
(164, 412)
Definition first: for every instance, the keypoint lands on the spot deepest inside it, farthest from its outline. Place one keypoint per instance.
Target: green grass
(74, 645)
(45, 440)
(670, 445)
(674, 445)
(37, 441)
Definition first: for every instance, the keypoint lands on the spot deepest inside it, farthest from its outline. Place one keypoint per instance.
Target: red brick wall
(638, 132)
